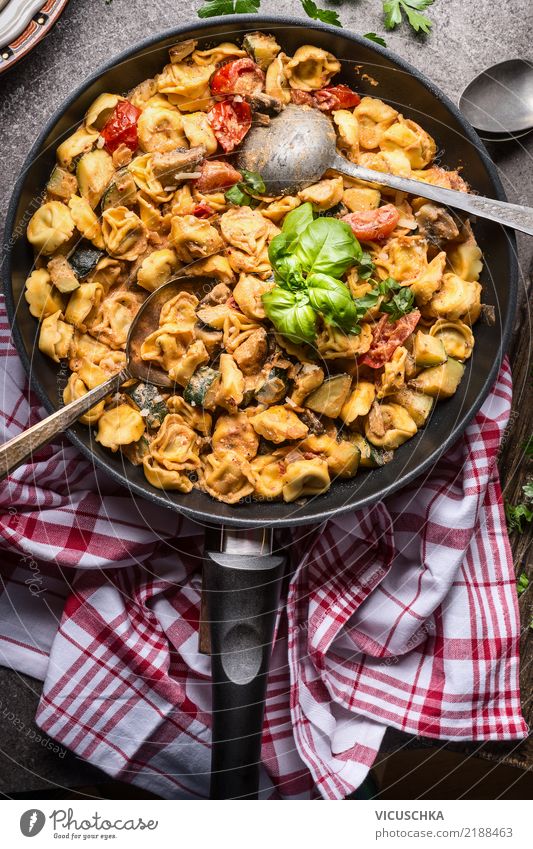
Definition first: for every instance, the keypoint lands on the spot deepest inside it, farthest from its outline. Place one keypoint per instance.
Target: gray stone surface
(467, 37)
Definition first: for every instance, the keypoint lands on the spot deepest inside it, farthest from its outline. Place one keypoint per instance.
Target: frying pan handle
(242, 601)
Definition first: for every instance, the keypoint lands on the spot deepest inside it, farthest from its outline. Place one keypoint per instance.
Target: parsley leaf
(516, 515)
(212, 8)
(366, 266)
(373, 36)
(400, 304)
(327, 16)
(527, 489)
(394, 9)
(522, 583)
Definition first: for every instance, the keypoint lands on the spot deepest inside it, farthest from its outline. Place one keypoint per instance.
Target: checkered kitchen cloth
(402, 615)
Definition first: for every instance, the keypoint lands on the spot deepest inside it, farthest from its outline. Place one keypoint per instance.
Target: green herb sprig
(242, 194)
(213, 8)
(393, 11)
(522, 583)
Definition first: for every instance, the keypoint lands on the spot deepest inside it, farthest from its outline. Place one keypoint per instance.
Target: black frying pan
(242, 574)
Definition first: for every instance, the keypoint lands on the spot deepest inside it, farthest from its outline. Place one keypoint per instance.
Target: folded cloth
(403, 614)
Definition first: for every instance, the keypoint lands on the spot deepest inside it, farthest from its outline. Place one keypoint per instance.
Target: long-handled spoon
(18, 449)
(298, 147)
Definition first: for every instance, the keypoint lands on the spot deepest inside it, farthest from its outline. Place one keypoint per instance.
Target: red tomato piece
(372, 224)
(202, 210)
(217, 175)
(121, 127)
(387, 336)
(302, 98)
(336, 97)
(230, 120)
(242, 76)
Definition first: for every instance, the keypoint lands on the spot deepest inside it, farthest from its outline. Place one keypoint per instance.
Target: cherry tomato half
(121, 127)
(242, 76)
(217, 175)
(336, 97)
(372, 224)
(387, 336)
(230, 120)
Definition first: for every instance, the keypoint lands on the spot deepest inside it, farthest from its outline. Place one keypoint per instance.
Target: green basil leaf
(239, 196)
(254, 181)
(296, 221)
(333, 300)
(389, 285)
(291, 314)
(328, 246)
(367, 302)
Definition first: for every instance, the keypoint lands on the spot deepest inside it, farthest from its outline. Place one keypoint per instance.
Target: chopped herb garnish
(378, 39)
(516, 515)
(212, 8)
(522, 583)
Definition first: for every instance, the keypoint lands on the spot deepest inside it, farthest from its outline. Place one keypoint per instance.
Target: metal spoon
(499, 101)
(18, 449)
(298, 147)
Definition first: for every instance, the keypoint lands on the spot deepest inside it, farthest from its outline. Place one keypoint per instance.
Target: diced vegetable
(274, 388)
(440, 381)
(151, 405)
(262, 48)
(329, 398)
(417, 404)
(84, 259)
(201, 388)
(122, 191)
(121, 127)
(371, 457)
(230, 121)
(61, 184)
(428, 350)
(373, 224)
(242, 76)
(307, 378)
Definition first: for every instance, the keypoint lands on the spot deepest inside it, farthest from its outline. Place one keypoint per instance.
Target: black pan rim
(318, 516)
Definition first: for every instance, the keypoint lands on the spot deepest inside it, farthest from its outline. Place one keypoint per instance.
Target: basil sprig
(242, 193)
(308, 257)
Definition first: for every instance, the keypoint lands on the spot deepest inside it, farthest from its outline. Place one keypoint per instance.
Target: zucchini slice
(440, 381)
(62, 184)
(262, 48)
(274, 388)
(329, 398)
(371, 457)
(417, 404)
(85, 259)
(121, 191)
(149, 402)
(202, 387)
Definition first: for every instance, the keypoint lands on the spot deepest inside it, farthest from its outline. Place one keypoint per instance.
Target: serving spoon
(499, 101)
(299, 146)
(18, 449)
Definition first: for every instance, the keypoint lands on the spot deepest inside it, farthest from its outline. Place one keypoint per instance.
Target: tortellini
(42, 298)
(227, 476)
(160, 127)
(167, 345)
(457, 298)
(156, 269)
(374, 117)
(81, 141)
(176, 446)
(50, 227)
(121, 425)
(55, 337)
(75, 389)
(186, 85)
(457, 338)
(412, 140)
(198, 131)
(194, 238)
(86, 220)
(277, 83)
(304, 478)
(94, 172)
(389, 426)
(311, 68)
(101, 110)
(84, 300)
(123, 232)
(324, 194)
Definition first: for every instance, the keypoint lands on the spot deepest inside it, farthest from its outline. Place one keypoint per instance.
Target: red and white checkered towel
(402, 615)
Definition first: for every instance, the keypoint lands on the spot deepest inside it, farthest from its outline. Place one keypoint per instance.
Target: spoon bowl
(499, 101)
(17, 450)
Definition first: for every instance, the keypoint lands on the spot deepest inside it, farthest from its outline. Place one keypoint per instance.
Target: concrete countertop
(466, 38)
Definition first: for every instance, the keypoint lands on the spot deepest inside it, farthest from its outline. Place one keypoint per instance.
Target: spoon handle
(508, 214)
(18, 449)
